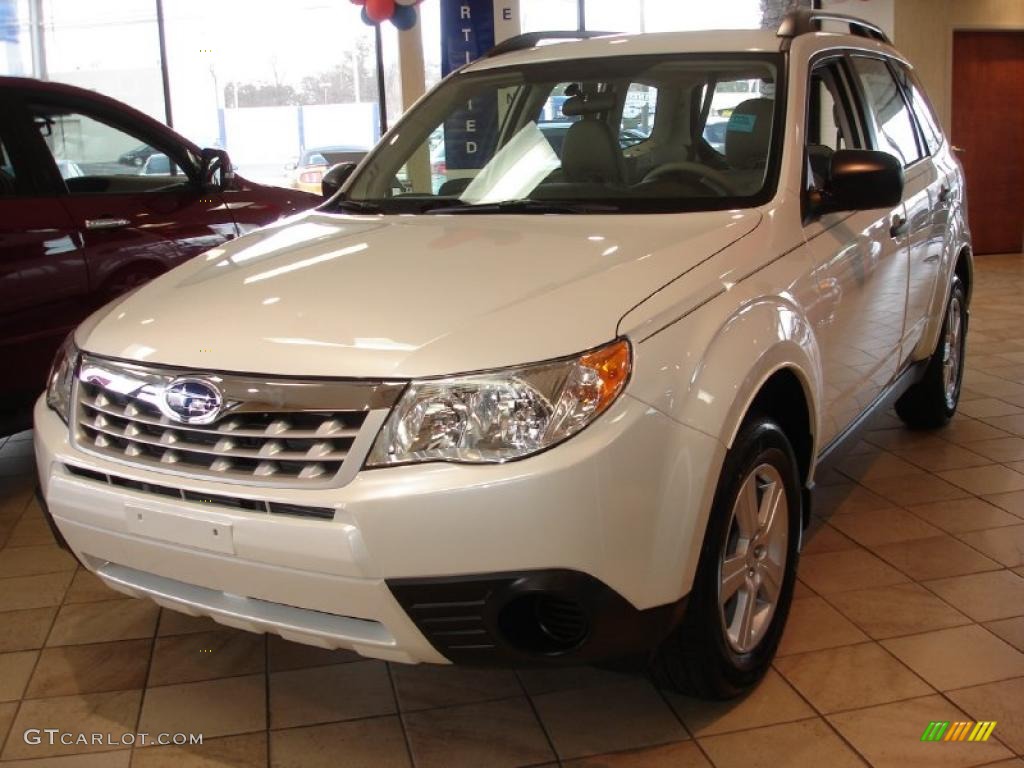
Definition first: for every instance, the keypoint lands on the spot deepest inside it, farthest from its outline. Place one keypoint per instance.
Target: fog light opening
(544, 623)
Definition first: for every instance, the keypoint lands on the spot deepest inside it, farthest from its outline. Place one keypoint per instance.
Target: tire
(932, 401)
(707, 655)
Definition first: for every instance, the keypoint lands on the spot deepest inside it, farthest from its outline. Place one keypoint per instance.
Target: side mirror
(335, 178)
(861, 180)
(215, 170)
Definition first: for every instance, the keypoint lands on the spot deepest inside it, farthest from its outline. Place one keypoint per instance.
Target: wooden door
(988, 124)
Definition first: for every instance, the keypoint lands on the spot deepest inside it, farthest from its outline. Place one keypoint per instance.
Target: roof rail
(803, 22)
(534, 39)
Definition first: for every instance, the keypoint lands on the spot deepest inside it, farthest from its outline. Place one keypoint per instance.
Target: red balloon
(380, 10)
(358, 2)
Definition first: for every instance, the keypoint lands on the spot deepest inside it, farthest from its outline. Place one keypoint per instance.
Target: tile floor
(910, 608)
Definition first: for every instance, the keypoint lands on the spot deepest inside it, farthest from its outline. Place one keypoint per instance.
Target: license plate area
(180, 528)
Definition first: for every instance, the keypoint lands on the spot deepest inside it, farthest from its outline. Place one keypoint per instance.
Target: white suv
(565, 403)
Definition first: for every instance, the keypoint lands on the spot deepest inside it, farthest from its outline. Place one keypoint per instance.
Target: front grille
(280, 432)
(254, 505)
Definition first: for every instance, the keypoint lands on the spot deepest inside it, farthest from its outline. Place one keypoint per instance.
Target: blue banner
(468, 32)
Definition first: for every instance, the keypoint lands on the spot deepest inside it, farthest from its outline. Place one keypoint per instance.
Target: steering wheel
(709, 177)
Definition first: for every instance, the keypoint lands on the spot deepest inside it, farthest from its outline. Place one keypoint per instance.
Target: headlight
(62, 376)
(502, 415)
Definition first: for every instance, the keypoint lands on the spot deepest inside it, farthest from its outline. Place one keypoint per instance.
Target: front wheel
(932, 401)
(744, 583)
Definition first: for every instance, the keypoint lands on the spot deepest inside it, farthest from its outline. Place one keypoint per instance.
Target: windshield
(616, 134)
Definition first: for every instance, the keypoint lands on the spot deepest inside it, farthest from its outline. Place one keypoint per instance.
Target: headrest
(749, 133)
(588, 105)
(590, 154)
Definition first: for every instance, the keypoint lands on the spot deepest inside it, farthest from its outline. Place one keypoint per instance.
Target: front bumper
(596, 533)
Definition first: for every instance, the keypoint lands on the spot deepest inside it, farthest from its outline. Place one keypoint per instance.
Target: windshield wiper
(525, 206)
(356, 206)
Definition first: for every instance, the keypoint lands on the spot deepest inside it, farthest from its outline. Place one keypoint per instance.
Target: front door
(988, 91)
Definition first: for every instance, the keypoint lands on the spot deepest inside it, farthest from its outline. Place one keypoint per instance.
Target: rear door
(44, 283)
(133, 226)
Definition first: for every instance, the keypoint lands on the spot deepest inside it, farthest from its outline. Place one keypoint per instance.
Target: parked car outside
(77, 227)
(569, 410)
(307, 173)
(137, 156)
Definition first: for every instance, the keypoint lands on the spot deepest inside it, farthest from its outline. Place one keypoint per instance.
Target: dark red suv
(82, 220)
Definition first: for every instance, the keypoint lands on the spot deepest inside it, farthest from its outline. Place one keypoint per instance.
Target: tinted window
(8, 179)
(890, 120)
(830, 126)
(922, 107)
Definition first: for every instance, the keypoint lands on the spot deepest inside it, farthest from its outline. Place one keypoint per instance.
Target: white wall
(880, 12)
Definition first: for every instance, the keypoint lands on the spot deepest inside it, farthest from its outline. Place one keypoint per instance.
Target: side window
(95, 158)
(922, 107)
(890, 119)
(830, 125)
(8, 177)
(638, 114)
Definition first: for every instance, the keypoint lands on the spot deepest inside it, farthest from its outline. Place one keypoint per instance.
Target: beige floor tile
(31, 532)
(876, 466)
(87, 588)
(901, 609)
(990, 479)
(498, 734)
(847, 570)
(32, 561)
(1011, 502)
(327, 694)
(1006, 545)
(24, 630)
(825, 538)
(425, 686)
(174, 623)
(889, 736)
(1002, 449)
(848, 497)
(15, 670)
(983, 596)
(814, 624)
(801, 590)
(115, 759)
(940, 456)
(958, 657)
(1011, 630)
(682, 754)
(43, 591)
(988, 407)
(206, 655)
(123, 619)
(934, 558)
(246, 751)
(75, 669)
(850, 677)
(805, 744)
(1001, 702)
(548, 680)
(213, 708)
(593, 721)
(284, 654)
(773, 701)
(904, 492)
(884, 526)
(108, 713)
(7, 712)
(901, 438)
(964, 431)
(961, 515)
(374, 743)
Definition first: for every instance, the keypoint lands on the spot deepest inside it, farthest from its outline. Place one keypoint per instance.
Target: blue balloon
(405, 17)
(366, 18)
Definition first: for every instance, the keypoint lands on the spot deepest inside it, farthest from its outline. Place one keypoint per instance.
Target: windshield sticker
(741, 123)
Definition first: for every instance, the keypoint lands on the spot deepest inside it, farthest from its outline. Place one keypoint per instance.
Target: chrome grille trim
(279, 432)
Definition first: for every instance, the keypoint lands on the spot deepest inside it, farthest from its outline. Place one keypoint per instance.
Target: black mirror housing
(861, 180)
(215, 170)
(334, 179)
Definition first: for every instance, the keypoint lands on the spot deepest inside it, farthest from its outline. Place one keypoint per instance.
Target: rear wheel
(747, 569)
(932, 401)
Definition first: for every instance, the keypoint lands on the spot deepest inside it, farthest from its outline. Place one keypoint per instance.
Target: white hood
(406, 296)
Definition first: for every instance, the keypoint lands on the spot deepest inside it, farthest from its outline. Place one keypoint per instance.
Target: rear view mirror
(216, 170)
(335, 178)
(860, 180)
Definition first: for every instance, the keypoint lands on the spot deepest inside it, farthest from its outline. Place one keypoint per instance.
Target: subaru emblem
(191, 401)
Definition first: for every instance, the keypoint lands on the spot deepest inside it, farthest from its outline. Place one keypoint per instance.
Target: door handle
(958, 150)
(944, 193)
(899, 226)
(106, 223)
